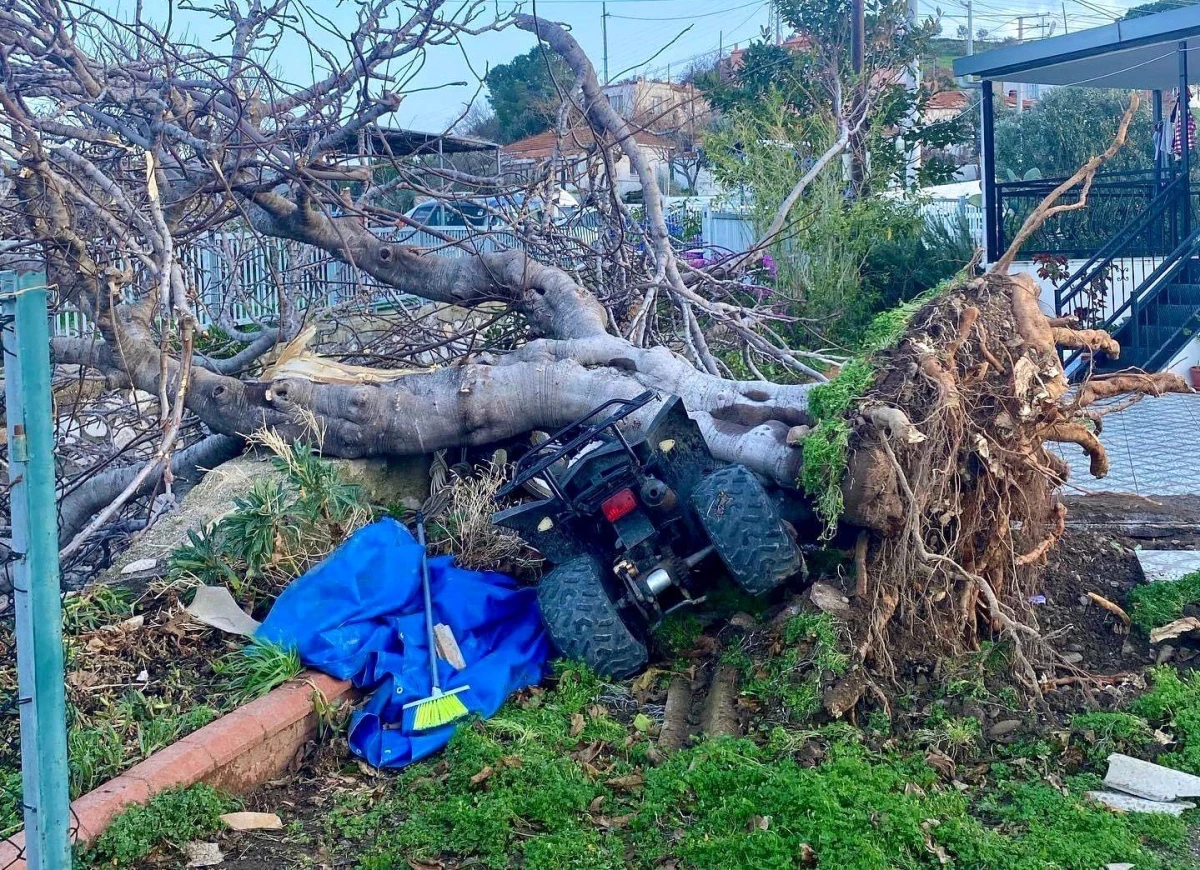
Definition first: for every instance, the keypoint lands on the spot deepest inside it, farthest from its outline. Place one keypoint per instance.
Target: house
(945, 106)
(577, 160)
(664, 107)
(1127, 261)
(668, 120)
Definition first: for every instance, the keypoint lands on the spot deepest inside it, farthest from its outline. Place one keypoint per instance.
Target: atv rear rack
(572, 436)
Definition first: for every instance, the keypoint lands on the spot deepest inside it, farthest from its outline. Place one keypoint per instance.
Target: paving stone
(1129, 804)
(1151, 781)
(1151, 449)
(1168, 565)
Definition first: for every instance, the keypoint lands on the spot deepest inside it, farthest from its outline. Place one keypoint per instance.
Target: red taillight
(618, 505)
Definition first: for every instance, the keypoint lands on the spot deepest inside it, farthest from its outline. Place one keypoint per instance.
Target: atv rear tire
(745, 529)
(583, 621)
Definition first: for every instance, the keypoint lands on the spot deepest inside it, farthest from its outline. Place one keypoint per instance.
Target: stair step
(1183, 292)
(1173, 314)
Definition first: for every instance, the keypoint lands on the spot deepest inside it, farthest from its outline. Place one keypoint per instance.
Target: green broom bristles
(438, 709)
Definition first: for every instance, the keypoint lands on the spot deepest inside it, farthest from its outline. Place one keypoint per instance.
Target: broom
(440, 707)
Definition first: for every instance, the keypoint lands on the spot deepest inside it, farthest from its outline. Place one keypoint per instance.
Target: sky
(657, 38)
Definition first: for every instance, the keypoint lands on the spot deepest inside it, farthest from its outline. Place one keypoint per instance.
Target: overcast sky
(653, 37)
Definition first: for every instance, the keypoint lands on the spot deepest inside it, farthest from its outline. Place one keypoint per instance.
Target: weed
(173, 817)
(255, 670)
(277, 530)
(1109, 732)
(826, 448)
(1156, 604)
(808, 647)
(467, 526)
(95, 755)
(95, 608)
(679, 631)
(1174, 704)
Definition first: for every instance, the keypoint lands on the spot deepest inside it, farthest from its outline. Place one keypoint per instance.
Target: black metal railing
(1116, 200)
(1145, 292)
(1124, 261)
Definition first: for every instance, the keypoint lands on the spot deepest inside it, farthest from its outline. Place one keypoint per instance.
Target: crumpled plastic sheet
(359, 616)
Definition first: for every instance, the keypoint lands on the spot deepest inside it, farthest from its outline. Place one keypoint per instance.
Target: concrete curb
(236, 753)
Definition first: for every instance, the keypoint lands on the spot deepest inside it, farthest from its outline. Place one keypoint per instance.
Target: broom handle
(433, 668)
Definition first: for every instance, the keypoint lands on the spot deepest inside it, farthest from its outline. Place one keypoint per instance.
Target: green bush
(175, 817)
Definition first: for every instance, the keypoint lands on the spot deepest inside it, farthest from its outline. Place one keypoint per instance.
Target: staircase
(1155, 319)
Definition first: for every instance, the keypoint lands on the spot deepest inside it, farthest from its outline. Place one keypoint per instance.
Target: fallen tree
(935, 446)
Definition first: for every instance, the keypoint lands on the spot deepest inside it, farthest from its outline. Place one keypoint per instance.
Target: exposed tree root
(956, 426)
(676, 714)
(1077, 433)
(719, 716)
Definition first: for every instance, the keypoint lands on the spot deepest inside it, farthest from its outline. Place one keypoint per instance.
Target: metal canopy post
(991, 228)
(26, 340)
(1185, 156)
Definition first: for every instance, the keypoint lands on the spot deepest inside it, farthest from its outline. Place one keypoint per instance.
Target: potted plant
(1195, 373)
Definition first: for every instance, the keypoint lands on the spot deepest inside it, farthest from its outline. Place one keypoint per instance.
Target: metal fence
(241, 278)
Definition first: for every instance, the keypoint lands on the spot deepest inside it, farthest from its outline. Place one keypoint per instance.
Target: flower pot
(1195, 373)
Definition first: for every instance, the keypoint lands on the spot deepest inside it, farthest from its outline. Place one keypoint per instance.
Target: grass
(276, 531)
(173, 817)
(520, 791)
(1173, 704)
(252, 672)
(791, 676)
(1156, 604)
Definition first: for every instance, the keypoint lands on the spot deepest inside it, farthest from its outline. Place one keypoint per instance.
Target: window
(422, 214)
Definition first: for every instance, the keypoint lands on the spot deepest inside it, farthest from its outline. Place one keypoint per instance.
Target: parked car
(636, 525)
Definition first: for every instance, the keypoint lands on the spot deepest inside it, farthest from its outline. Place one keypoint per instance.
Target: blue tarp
(358, 616)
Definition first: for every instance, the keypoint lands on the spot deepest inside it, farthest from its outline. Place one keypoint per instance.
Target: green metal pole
(26, 339)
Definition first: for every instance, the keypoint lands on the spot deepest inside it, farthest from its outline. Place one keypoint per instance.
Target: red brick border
(241, 750)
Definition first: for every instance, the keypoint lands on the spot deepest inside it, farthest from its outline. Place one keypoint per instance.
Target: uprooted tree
(124, 146)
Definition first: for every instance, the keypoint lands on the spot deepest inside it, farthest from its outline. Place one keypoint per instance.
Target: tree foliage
(1065, 128)
(804, 77)
(526, 93)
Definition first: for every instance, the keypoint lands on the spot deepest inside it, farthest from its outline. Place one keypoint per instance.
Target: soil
(1096, 555)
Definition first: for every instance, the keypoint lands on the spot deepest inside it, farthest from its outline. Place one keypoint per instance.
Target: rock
(743, 621)
(1165, 654)
(95, 428)
(141, 397)
(253, 821)
(395, 480)
(828, 599)
(1084, 600)
(1127, 649)
(1074, 647)
(1124, 803)
(797, 434)
(1003, 728)
(1073, 658)
(203, 854)
(138, 566)
(1148, 780)
(123, 437)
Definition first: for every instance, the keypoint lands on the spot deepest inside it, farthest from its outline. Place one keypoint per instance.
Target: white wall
(1133, 273)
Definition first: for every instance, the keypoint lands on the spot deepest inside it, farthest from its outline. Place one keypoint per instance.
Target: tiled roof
(575, 141)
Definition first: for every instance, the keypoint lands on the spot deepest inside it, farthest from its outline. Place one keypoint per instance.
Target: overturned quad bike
(634, 523)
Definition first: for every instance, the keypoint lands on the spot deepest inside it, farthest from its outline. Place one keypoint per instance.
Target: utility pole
(24, 325)
(1065, 29)
(1020, 85)
(604, 34)
(970, 27)
(778, 25)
